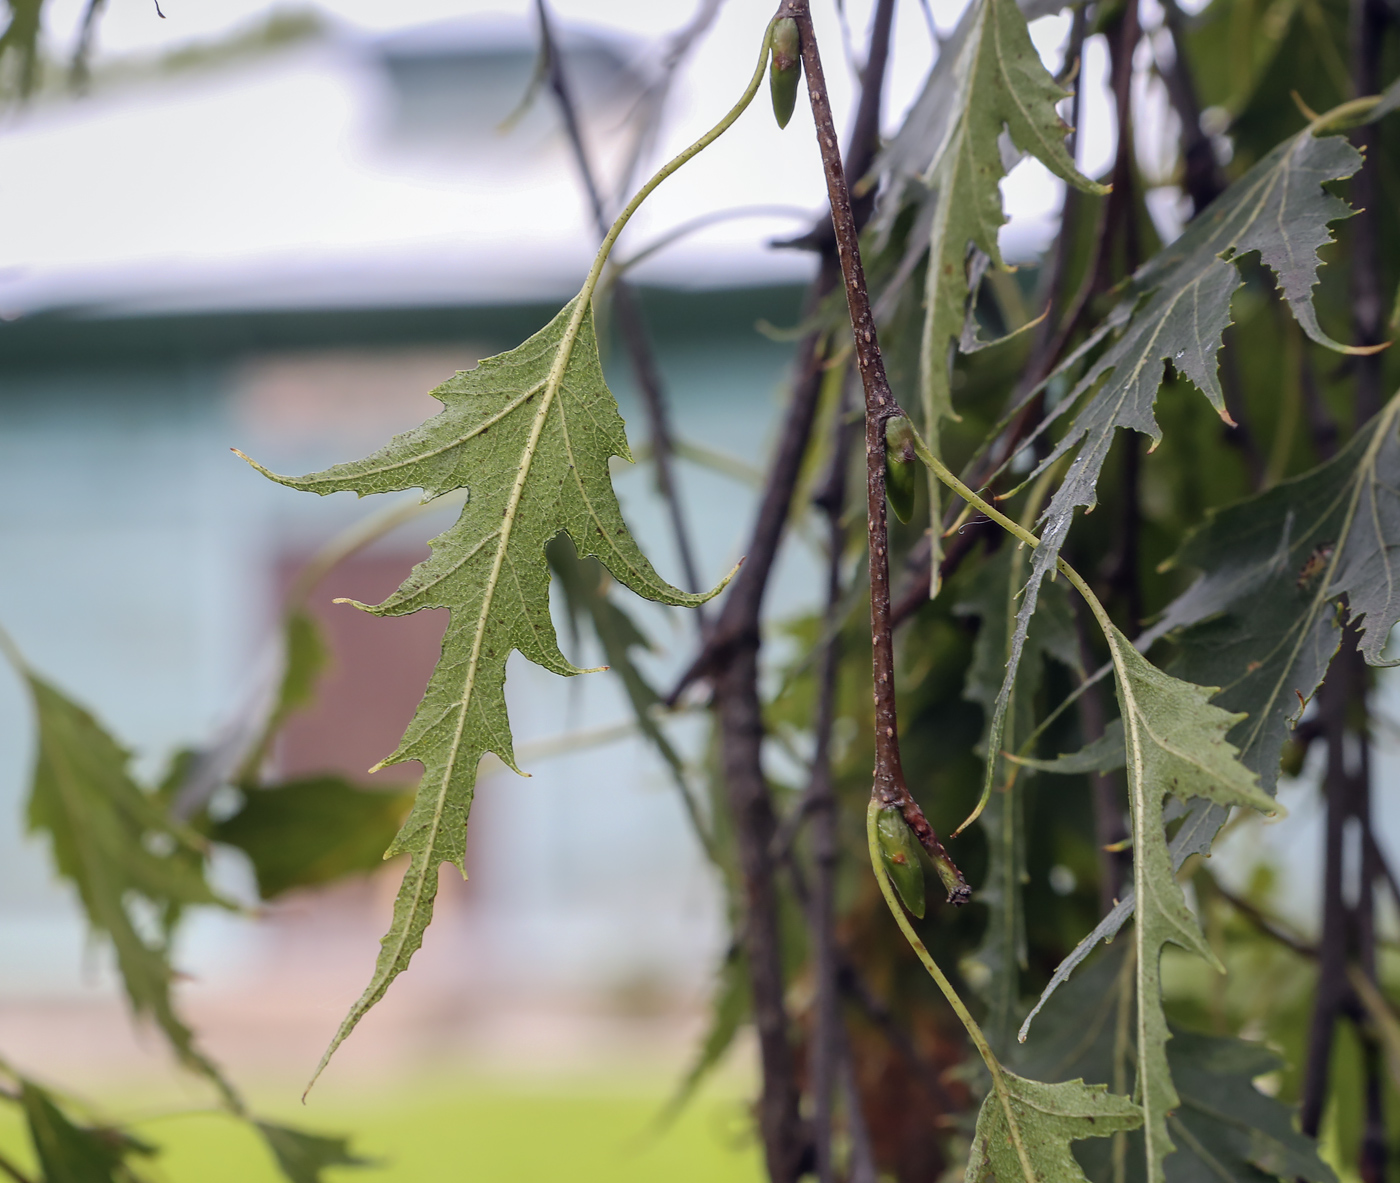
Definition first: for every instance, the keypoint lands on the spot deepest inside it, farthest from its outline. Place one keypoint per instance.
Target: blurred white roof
(355, 170)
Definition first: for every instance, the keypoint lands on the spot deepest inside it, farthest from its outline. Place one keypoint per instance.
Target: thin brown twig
(821, 801)
(880, 407)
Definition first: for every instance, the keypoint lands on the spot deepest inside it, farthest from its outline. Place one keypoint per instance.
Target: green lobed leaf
(303, 1157)
(1175, 311)
(1034, 1144)
(1260, 623)
(72, 1153)
(1175, 743)
(312, 831)
(530, 433)
(997, 85)
(1226, 1129)
(113, 841)
(1105, 754)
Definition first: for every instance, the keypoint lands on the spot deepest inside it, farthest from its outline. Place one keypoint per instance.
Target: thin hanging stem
(979, 1040)
(889, 786)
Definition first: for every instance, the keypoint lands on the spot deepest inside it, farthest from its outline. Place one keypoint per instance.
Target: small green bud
(899, 851)
(785, 70)
(901, 467)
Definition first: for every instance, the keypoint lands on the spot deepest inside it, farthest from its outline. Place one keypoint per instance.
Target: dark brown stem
(740, 720)
(880, 406)
(729, 659)
(1203, 177)
(1344, 789)
(821, 804)
(629, 317)
(1368, 22)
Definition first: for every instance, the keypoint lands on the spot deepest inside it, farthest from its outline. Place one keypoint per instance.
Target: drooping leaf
(530, 433)
(73, 1153)
(998, 85)
(992, 598)
(1175, 311)
(1225, 1121)
(1260, 621)
(1103, 755)
(114, 842)
(1226, 1130)
(312, 831)
(994, 85)
(1032, 1143)
(1175, 743)
(304, 1156)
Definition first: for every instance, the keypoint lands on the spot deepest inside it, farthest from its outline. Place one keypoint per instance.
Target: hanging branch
(880, 407)
(729, 660)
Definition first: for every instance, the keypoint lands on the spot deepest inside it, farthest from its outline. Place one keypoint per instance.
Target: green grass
(579, 1132)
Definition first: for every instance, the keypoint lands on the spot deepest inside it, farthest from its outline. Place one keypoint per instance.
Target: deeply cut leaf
(304, 1156)
(1226, 1129)
(1045, 1120)
(1176, 309)
(997, 85)
(114, 842)
(530, 434)
(1175, 743)
(72, 1153)
(1260, 622)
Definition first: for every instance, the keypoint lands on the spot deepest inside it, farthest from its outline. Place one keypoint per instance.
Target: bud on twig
(785, 72)
(899, 851)
(901, 467)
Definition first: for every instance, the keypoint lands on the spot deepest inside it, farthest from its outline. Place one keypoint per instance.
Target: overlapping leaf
(998, 83)
(114, 843)
(1226, 1130)
(1260, 621)
(73, 1153)
(1175, 743)
(1032, 1142)
(1176, 309)
(530, 434)
(303, 1157)
(989, 84)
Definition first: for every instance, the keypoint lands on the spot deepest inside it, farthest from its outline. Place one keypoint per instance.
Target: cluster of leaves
(138, 857)
(1001, 660)
(542, 469)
